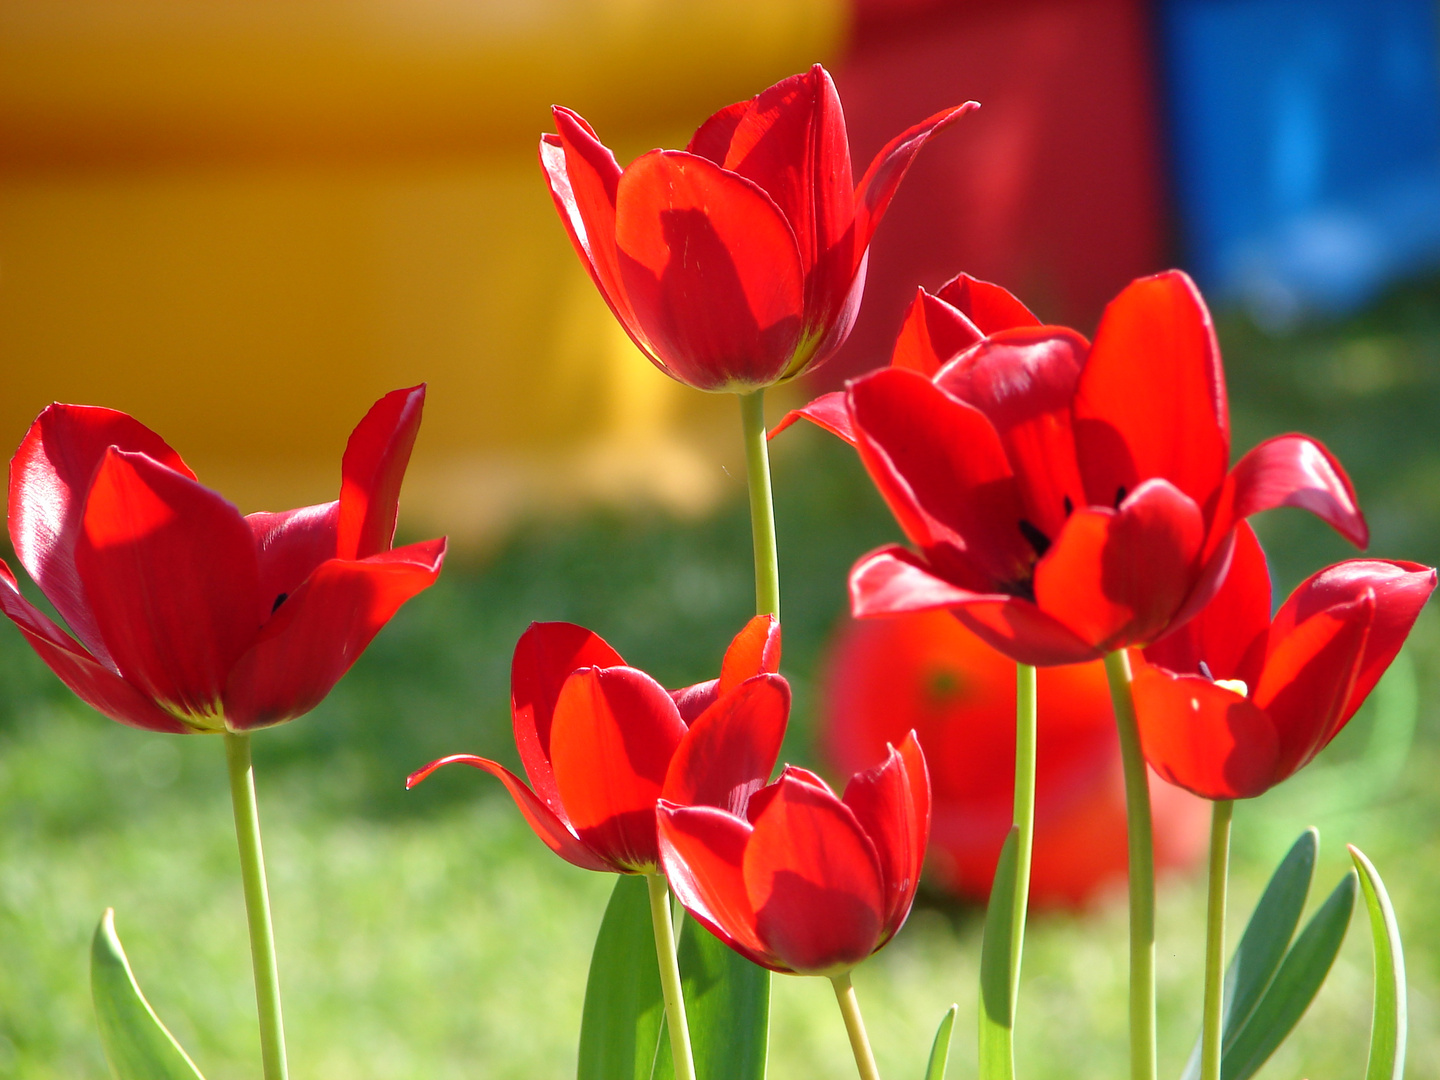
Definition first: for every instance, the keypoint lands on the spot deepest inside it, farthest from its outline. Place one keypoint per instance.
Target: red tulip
(799, 880)
(926, 671)
(936, 329)
(189, 616)
(738, 262)
(1234, 702)
(598, 739)
(1070, 499)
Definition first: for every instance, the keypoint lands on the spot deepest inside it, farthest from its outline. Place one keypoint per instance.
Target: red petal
(94, 683)
(892, 804)
(321, 629)
(614, 732)
(730, 750)
(712, 139)
(711, 269)
(1203, 737)
(1291, 470)
(1308, 677)
(814, 881)
(942, 469)
(171, 574)
(372, 471)
(990, 307)
(1024, 382)
(1400, 590)
(932, 335)
(583, 177)
(1229, 633)
(702, 850)
(881, 180)
(50, 475)
(1151, 402)
(1117, 577)
(829, 411)
(544, 657)
(547, 825)
(290, 545)
(790, 140)
(754, 651)
(1023, 632)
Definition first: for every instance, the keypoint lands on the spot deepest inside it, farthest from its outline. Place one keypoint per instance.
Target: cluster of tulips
(1066, 500)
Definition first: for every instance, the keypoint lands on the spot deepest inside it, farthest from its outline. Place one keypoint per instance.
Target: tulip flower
(1071, 499)
(796, 879)
(597, 740)
(936, 329)
(738, 262)
(927, 672)
(1234, 702)
(186, 615)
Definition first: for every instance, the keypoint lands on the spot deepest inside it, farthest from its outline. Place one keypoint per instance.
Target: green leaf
(727, 1004)
(620, 1025)
(1295, 985)
(940, 1048)
(1267, 936)
(137, 1044)
(1387, 1026)
(997, 1052)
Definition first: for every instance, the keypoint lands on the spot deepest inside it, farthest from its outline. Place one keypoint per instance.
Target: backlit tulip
(597, 739)
(188, 615)
(798, 880)
(1071, 499)
(928, 672)
(740, 261)
(936, 329)
(1235, 702)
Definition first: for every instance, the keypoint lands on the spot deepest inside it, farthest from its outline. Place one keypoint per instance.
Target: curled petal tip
(424, 771)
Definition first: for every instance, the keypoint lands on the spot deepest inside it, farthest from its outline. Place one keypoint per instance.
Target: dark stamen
(1069, 506)
(1119, 496)
(1205, 670)
(278, 601)
(1038, 540)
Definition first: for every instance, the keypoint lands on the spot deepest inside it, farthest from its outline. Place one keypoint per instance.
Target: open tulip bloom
(1234, 702)
(188, 615)
(738, 262)
(1071, 499)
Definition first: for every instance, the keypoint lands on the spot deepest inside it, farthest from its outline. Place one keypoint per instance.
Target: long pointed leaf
(1267, 936)
(620, 1025)
(727, 1000)
(1389, 1022)
(940, 1048)
(137, 1045)
(1294, 986)
(997, 1053)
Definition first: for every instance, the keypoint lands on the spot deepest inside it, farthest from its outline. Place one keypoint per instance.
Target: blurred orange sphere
(927, 672)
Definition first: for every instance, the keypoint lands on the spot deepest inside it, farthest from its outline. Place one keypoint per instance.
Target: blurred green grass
(428, 933)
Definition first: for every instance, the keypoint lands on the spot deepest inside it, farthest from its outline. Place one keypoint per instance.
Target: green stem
(1142, 871)
(762, 508)
(670, 977)
(1215, 940)
(257, 905)
(855, 1027)
(1025, 720)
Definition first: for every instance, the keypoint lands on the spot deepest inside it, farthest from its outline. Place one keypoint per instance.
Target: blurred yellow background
(244, 220)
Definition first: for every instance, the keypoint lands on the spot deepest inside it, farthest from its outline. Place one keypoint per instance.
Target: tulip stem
(762, 505)
(1025, 723)
(1215, 940)
(855, 1027)
(680, 1051)
(257, 905)
(1142, 870)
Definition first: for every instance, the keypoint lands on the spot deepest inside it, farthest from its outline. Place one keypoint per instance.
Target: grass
(429, 934)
